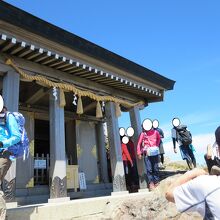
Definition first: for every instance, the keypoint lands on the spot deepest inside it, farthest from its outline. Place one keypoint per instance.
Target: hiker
(109, 165)
(133, 170)
(9, 136)
(127, 161)
(212, 157)
(148, 147)
(196, 191)
(183, 137)
(161, 149)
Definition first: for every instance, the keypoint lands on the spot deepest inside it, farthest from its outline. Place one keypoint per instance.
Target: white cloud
(202, 140)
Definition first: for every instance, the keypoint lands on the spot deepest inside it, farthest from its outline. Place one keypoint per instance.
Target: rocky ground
(154, 206)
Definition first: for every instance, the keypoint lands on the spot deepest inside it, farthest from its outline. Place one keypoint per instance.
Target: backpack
(21, 149)
(184, 135)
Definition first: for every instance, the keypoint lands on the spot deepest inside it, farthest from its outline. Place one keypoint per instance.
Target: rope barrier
(70, 88)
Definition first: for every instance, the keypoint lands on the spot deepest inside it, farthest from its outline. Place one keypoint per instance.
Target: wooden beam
(25, 51)
(89, 107)
(43, 56)
(85, 75)
(50, 59)
(35, 53)
(3, 38)
(8, 44)
(57, 62)
(37, 96)
(31, 68)
(70, 62)
(18, 47)
(42, 113)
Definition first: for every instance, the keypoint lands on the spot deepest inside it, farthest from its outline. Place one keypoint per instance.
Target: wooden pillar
(102, 153)
(71, 150)
(10, 93)
(136, 125)
(11, 82)
(118, 175)
(26, 179)
(58, 182)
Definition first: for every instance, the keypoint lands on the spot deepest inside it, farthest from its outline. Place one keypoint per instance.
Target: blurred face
(147, 124)
(176, 122)
(155, 123)
(121, 132)
(130, 131)
(125, 140)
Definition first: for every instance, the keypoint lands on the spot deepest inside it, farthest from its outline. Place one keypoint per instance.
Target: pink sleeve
(158, 138)
(139, 143)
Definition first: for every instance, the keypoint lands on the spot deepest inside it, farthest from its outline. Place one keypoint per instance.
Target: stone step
(69, 210)
(34, 199)
(99, 186)
(37, 190)
(44, 190)
(43, 198)
(89, 194)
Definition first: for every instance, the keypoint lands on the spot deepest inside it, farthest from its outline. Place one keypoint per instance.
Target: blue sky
(177, 39)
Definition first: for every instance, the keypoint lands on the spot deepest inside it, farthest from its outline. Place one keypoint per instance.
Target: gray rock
(155, 206)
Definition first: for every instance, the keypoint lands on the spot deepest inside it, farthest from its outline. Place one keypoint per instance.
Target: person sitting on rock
(196, 191)
(212, 157)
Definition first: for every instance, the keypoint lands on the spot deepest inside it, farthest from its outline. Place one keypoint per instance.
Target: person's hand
(175, 150)
(132, 164)
(139, 157)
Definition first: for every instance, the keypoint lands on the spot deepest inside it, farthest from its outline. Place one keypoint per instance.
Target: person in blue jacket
(9, 135)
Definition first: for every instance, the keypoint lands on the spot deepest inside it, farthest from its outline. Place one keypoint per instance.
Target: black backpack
(184, 135)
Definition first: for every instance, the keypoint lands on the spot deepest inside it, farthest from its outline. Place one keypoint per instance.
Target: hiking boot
(190, 164)
(151, 186)
(215, 170)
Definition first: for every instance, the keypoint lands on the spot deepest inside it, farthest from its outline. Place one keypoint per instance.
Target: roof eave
(40, 27)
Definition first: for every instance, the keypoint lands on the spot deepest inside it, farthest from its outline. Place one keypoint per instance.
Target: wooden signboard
(72, 177)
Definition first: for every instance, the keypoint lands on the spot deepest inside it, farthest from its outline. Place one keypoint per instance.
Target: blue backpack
(21, 149)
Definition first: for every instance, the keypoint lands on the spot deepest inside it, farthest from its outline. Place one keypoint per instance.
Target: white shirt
(195, 194)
